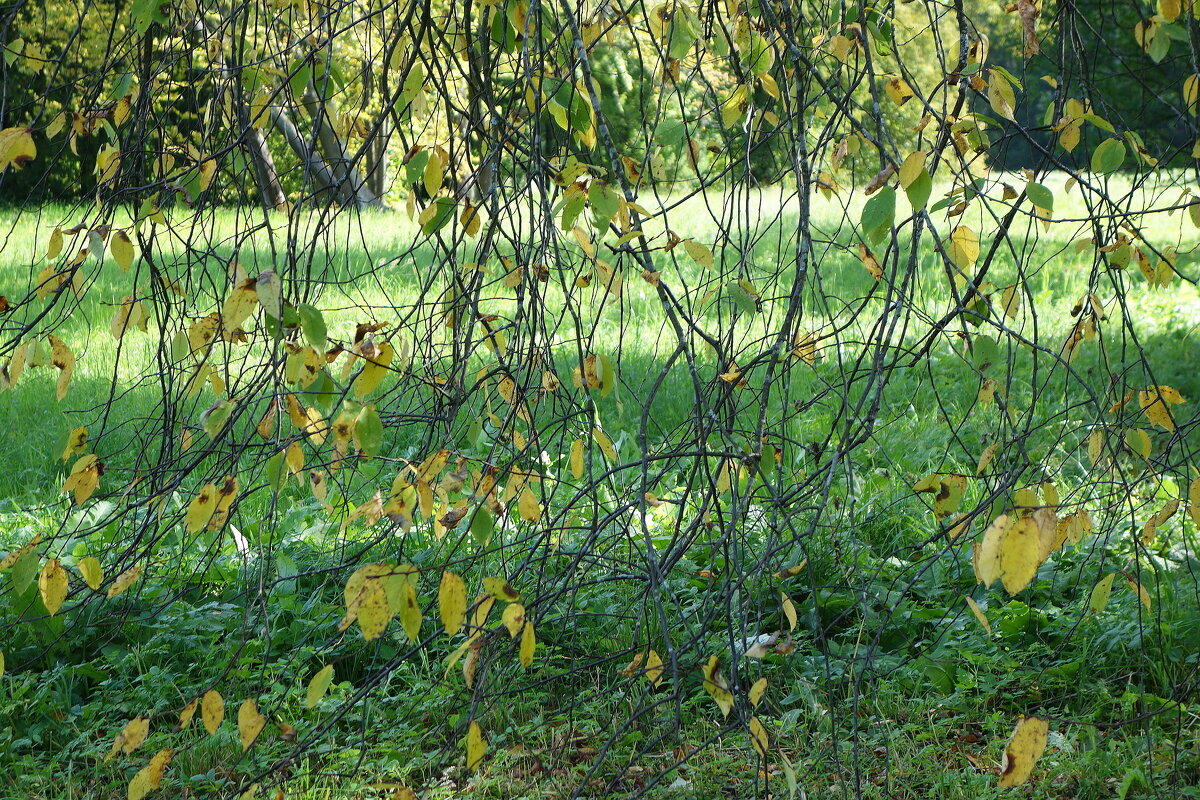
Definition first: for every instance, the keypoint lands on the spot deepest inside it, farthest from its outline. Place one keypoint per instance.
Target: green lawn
(893, 688)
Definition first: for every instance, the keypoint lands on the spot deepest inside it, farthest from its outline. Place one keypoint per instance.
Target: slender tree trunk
(315, 168)
(350, 183)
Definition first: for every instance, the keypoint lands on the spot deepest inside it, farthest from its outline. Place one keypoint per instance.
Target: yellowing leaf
(52, 584)
(250, 723)
(1155, 403)
(979, 615)
(501, 588)
(1100, 593)
(577, 458)
(372, 375)
(131, 736)
(185, 716)
(964, 247)
(121, 248)
(318, 686)
(149, 777)
(758, 737)
(212, 710)
(61, 357)
(89, 568)
(125, 580)
(55, 245)
(986, 560)
(513, 618)
(528, 506)
(84, 478)
(716, 686)
(201, 509)
(483, 607)
(16, 147)
(605, 444)
(699, 253)
(1139, 590)
(1024, 748)
(237, 308)
(370, 607)
(410, 612)
(757, 690)
(654, 668)
(1020, 554)
(528, 644)
(476, 746)
(789, 611)
(911, 168)
(452, 602)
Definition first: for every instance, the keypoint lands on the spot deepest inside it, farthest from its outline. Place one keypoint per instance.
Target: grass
(894, 689)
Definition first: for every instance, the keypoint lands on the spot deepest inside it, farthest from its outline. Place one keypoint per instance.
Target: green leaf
(146, 12)
(481, 526)
(919, 190)
(1108, 156)
(1040, 196)
(312, 322)
(444, 213)
(606, 202)
(369, 431)
(878, 215)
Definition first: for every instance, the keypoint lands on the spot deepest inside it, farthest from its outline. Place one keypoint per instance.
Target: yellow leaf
(716, 686)
(911, 168)
(1, 663)
(62, 357)
(987, 555)
(201, 509)
(757, 690)
(89, 568)
(964, 247)
(52, 584)
(654, 668)
(452, 602)
(432, 176)
(606, 446)
(1001, 96)
(185, 716)
(16, 147)
(1020, 554)
(1024, 748)
(789, 611)
(410, 612)
(476, 746)
(131, 315)
(1010, 301)
(1100, 593)
(250, 723)
(501, 588)
(979, 615)
(528, 506)
(125, 580)
(149, 777)
(577, 458)
(483, 607)
(84, 478)
(318, 686)
(699, 253)
(1139, 590)
(758, 737)
(131, 736)
(55, 245)
(1155, 403)
(898, 91)
(238, 307)
(121, 248)
(375, 371)
(528, 644)
(1169, 10)
(370, 607)
(212, 710)
(513, 618)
